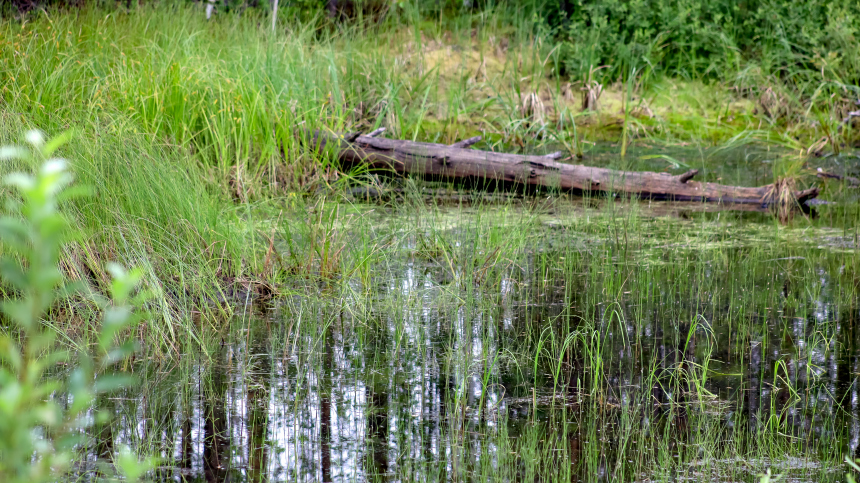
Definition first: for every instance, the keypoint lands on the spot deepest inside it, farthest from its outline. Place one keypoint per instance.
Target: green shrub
(696, 37)
(40, 434)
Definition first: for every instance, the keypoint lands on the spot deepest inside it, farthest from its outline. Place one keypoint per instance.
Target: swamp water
(541, 343)
(539, 339)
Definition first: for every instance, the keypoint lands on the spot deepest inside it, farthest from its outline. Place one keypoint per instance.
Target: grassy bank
(233, 96)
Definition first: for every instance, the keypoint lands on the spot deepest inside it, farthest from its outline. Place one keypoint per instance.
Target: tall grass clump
(150, 212)
(47, 410)
(228, 95)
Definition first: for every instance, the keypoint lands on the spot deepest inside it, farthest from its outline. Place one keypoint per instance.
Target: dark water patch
(623, 348)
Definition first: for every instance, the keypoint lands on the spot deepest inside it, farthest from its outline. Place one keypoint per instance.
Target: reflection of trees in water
(258, 390)
(104, 431)
(786, 362)
(752, 390)
(216, 441)
(846, 383)
(376, 388)
(186, 444)
(366, 390)
(325, 407)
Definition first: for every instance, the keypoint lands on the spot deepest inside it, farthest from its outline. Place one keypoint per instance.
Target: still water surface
(664, 376)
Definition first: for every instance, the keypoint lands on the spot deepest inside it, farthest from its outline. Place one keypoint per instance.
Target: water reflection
(423, 386)
(216, 441)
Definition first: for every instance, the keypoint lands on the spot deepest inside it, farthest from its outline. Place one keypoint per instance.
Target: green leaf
(131, 467)
(12, 273)
(42, 340)
(10, 352)
(123, 282)
(79, 388)
(119, 354)
(10, 397)
(13, 152)
(21, 181)
(71, 440)
(14, 233)
(115, 318)
(35, 138)
(49, 414)
(70, 288)
(75, 192)
(19, 312)
(103, 416)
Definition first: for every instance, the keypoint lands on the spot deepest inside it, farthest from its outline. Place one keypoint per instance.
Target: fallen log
(847, 179)
(458, 162)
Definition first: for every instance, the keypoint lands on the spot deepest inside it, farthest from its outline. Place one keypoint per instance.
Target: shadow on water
(672, 362)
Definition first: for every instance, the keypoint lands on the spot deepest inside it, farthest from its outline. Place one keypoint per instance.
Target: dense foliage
(814, 40)
(695, 37)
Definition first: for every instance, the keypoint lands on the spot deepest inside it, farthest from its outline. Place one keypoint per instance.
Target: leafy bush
(699, 37)
(40, 432)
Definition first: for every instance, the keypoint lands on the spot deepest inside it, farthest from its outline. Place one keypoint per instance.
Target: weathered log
(439, 161)
(467, 142)
(376, 132)
(847, 179)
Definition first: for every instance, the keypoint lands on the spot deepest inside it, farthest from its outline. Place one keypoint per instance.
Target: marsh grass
(236, 99)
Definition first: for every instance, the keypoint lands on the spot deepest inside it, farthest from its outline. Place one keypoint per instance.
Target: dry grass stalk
(817, 148)
(641, 112)
(503, 46)
(481, 72)
(781, 198)
(567, 92)
(591, 93)
(772, 105)
(237, 181)
(533, 108)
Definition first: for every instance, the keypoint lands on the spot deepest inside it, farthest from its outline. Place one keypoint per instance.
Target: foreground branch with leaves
(46, 411)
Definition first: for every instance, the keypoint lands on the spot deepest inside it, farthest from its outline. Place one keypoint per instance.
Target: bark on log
(439, 161)
(848, 179)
